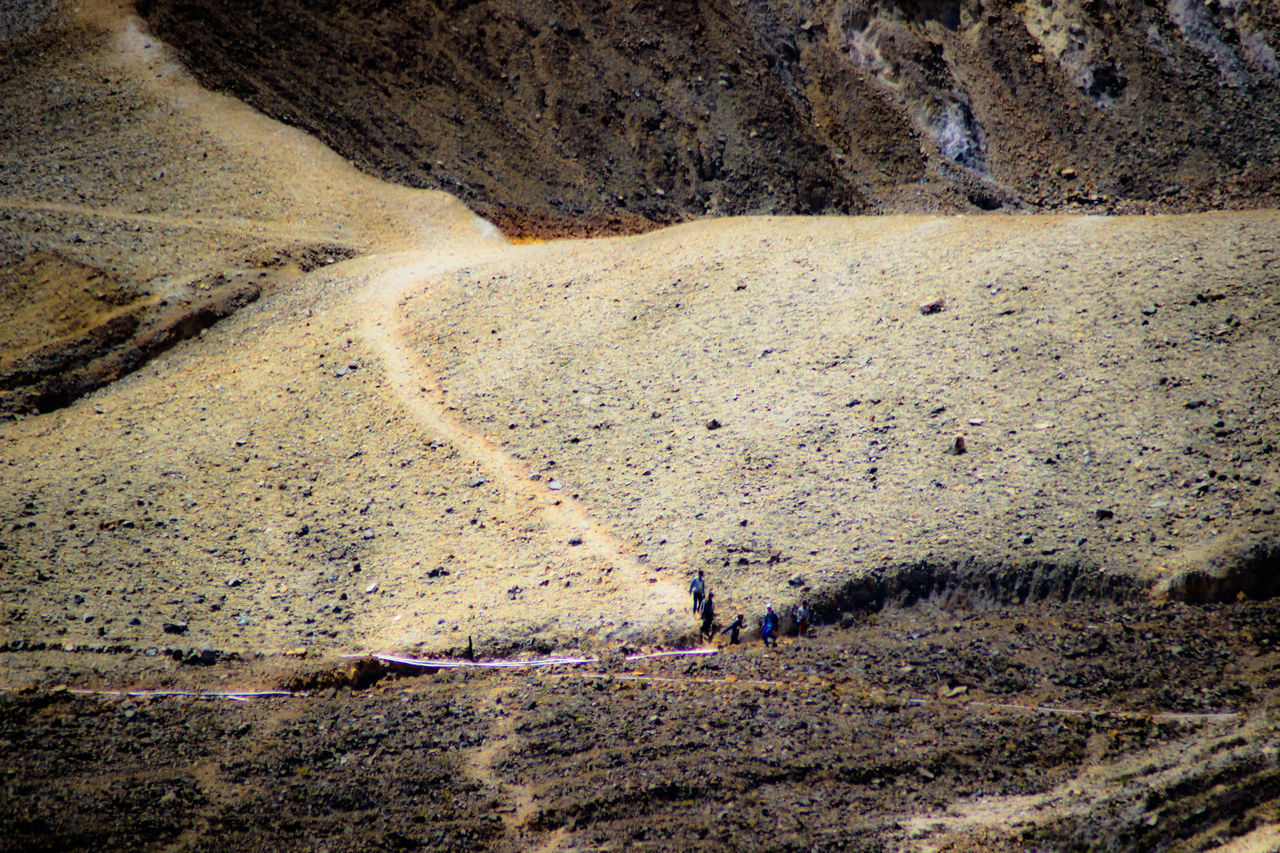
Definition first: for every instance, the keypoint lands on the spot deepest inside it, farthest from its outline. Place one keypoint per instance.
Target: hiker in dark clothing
(699, 590)
(769, 626)
(734, 627)
(709, 616)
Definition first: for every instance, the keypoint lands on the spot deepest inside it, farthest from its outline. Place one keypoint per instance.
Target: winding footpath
(391, 279)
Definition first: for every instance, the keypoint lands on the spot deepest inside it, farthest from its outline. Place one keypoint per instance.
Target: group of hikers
(704, 605)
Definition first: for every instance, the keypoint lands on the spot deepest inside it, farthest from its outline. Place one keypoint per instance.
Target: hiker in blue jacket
(769, 626)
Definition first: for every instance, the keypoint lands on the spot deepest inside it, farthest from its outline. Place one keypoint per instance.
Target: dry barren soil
(266, 417)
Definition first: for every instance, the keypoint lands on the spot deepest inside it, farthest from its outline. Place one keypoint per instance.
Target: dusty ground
(764, 399)
(415, 436)
(102, 150)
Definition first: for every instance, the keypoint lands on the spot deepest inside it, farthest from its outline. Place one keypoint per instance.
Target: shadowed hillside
(597, 115)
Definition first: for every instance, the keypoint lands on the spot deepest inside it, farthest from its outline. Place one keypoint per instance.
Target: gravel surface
(775, 401)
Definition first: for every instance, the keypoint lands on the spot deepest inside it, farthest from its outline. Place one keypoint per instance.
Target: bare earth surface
(262, 411)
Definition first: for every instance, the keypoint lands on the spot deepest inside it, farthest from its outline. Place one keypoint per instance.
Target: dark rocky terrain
(599, 116)
(1059, 727)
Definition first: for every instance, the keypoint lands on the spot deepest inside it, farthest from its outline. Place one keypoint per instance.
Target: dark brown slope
(1008, 729)
(603, 115)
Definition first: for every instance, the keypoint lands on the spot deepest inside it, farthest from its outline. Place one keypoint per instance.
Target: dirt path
(392, 278)
(519, 795)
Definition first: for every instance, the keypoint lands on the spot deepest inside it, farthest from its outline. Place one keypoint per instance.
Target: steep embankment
(595, 115)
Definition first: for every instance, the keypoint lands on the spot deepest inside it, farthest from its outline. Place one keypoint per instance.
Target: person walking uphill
(733, 628)
(709, 616)
(769, 626)
(699, 590)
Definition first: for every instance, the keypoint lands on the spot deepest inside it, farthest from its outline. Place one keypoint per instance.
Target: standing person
(709, 616)
(802, 618)
(699, 590)
(769, 626)
(734, 627)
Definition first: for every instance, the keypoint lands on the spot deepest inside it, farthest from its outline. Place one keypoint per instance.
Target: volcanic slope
(450, 437)
(776, 400)
(189, 502)
(579, 116)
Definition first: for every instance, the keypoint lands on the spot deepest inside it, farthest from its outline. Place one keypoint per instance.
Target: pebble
(935, 306)
(175, 627)
(958, 446)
